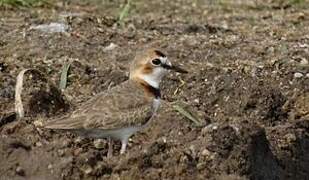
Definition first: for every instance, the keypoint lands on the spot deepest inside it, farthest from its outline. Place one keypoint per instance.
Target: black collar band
(155, 91)
(150, 89)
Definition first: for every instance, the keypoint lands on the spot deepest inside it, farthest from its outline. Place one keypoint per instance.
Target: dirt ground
(248, 81)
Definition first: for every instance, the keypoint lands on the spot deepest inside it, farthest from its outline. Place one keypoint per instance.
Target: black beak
(174, 68)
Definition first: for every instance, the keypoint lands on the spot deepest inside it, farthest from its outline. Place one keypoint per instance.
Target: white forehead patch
(164, 60)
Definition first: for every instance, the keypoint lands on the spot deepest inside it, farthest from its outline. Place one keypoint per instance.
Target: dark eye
(156, 62)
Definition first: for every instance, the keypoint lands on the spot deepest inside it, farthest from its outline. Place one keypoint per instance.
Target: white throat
(154, 78)
(151, 80)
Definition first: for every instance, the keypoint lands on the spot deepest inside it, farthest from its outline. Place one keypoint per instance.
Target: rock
(87, 169)
(77, 151)
(20, 171)
(298, 75)
(201, 166)
(38, 123)
(78, 140)
(303, 62)
(61, 152)
(302, 104)
(110, 47)
(290, 138)
(192, 150)
(247, 152)
(230, 177)
(205, 152)
(291, 145)
(164, 139)
(51, 27)
(66, 161)
(38, 144)
(197, 101)
(99, 144)
(65, 143)
(209, 128)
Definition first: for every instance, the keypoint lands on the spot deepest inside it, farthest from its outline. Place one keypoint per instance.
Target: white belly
(117, 134)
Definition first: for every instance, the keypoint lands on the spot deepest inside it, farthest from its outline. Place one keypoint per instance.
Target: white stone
(110, 47)
(303, 61)
(298, 75)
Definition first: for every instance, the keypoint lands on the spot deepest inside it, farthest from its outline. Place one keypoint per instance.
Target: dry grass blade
(23, 3)
(125, 11)
(180, 86)
(19, 109)
(64, 76)
(188, 115)
(7, 118)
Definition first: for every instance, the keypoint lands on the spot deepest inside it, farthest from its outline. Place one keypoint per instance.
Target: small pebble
(304, 62)
(164, 139)
(87, 170)
(77, 151)
(298, 75)
(180, 133)
(78, 140)
(99, 144)
(20, 171)
(38, 144)
(110, 47)
(201, 165)
(290, 137)
(205, 152)
(65, 143)
(61, 152)
(67, 160)
(192, 149)
(38, 123)
(209, 128)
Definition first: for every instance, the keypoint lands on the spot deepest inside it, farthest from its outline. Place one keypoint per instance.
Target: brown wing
(122, 106)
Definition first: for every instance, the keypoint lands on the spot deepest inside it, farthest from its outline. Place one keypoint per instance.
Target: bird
(123, 110)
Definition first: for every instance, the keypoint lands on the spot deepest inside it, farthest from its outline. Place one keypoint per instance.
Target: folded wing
(122, 106)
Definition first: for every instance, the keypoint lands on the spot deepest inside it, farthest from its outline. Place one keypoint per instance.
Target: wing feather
(122, 106)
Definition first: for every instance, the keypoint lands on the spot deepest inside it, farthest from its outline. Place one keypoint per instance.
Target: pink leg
(110, 148)
(123, 146)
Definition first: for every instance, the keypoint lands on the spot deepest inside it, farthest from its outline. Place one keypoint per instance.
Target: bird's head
(151, 66)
